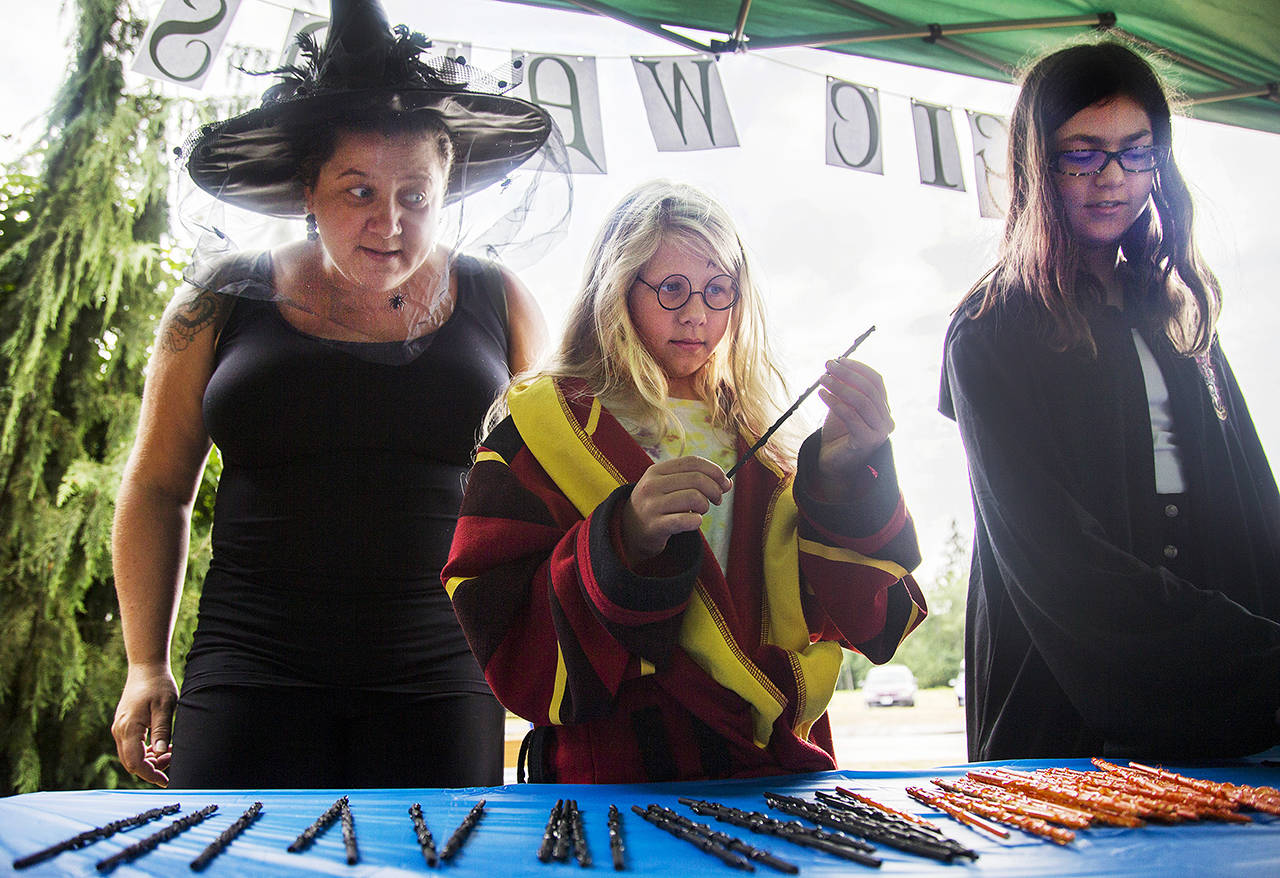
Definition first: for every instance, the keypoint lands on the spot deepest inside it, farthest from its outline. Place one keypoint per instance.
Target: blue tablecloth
(506, 839)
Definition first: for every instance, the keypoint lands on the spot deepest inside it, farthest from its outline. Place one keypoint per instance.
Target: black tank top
(341, 481)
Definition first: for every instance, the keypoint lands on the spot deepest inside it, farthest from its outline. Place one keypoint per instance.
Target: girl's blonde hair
(1038, 256)
(601, 346)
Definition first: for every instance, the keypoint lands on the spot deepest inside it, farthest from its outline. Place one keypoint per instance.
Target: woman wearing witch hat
(343, 378)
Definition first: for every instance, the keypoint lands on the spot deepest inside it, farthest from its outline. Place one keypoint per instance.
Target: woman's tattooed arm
(191, 315)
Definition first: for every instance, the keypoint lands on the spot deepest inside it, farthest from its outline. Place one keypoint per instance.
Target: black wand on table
(463, 832)
(551, 833)
(308, 835)
(899, 830)
(759, 443)
(228, 835)
(151, 842)
(617, 848)
(425, 841)
(653, 815)
(580, 850)
(349, 834)
(89, 836)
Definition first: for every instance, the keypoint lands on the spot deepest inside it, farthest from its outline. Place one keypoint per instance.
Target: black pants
(256, 737)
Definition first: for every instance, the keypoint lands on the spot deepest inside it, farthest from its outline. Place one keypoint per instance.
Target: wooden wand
(750, 452)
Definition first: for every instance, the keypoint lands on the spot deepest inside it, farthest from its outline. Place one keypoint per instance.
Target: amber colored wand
(750, 452)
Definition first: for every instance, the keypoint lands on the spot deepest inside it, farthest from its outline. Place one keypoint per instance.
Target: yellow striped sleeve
(490, 455)
(848, 556)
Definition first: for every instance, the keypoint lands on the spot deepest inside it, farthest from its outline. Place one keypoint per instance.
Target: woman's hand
(670, 498)
(143, 722)
(857, 424)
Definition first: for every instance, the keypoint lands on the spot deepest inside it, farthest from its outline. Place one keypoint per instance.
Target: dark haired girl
(1124, 596)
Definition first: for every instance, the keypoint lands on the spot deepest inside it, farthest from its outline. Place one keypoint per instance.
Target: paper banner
(685, 102)
(990, 161)
(936, 147)
(566, 87)
(301, 23)
(853, 126)
(183, 40)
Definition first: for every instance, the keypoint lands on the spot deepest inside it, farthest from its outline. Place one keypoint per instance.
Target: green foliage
(934, 650)
(84, 275)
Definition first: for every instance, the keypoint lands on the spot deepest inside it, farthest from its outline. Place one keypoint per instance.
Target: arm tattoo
(190, 318)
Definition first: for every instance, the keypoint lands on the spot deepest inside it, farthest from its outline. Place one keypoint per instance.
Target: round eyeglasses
(720, 293)
(1087, 162)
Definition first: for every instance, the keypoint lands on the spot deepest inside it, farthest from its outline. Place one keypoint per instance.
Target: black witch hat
(365, 69)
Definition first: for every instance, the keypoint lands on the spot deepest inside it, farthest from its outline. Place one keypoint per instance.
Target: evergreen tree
(84, 274)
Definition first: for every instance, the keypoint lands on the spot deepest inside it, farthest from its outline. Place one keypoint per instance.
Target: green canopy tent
(1224, 55)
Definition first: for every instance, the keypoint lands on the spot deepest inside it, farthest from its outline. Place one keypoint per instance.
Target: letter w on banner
(183, 40)
(685, 102)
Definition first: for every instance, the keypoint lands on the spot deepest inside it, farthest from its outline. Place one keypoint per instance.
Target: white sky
(837, 249)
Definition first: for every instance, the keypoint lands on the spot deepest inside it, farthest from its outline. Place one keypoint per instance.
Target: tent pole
(930, 32)
(735, 41)
(1269, 90)
(959, 49)
(1184, 61)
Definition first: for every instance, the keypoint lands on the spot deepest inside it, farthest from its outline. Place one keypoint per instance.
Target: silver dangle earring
(313, 233)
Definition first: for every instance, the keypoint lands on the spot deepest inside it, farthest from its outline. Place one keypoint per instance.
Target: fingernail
(160, 746)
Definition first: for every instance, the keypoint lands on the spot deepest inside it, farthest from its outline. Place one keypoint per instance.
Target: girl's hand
(143, 720)
(670, 498)
(857, 424)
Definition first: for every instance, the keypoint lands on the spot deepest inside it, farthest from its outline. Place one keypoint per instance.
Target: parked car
(957, 683)
(887, 685)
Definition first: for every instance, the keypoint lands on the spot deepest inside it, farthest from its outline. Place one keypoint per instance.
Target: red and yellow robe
(678, 670)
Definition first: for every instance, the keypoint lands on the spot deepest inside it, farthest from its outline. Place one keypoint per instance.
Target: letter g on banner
(183, 39)
(853, 126)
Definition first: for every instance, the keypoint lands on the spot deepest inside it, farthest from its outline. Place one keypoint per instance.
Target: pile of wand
(725, 840)
(655, 816)
(834, 843)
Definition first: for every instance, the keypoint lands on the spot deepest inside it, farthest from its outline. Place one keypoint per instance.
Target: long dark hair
(1038, 255)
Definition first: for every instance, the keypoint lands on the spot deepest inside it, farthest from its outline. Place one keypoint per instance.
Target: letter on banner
(301, 23)
(990, 161)
(853, 126)
(685, 102)
(936, 147)
(183, 39)
(567, 88)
